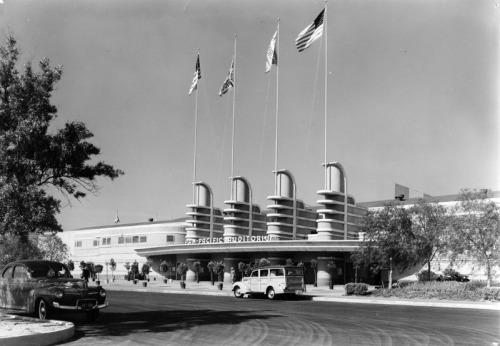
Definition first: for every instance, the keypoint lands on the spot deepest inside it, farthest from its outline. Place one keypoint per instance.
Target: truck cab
(271, 281)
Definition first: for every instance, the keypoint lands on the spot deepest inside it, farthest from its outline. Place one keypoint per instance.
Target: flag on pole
(197, 75)
(229, 82)
(311, 33)
(272, 55)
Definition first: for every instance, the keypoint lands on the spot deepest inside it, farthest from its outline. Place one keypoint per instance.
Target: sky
(412, 96)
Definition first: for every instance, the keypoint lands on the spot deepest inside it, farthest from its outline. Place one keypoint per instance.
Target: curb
(458, 305)
(39, 339)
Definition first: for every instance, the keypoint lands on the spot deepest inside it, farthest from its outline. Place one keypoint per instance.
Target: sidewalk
(313, 293)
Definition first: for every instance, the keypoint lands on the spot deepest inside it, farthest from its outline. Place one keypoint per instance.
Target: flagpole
(234, 98)
(277, 112)
(326, 92)
(195, 141)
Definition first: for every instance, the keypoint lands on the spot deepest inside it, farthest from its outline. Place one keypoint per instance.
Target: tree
(145, 270)
(388, 240)
(211, 268)
(164, 267)
(182, 269)
(37, 159)
(71, 265)
(134, 269)
(242, 268)
(219, 270)
(331, 270)
(98, 270)
(476, 230)
(262, 263)
(430, 221)
(112, 266)
(11, 249)
(52, 247)
(26, 210)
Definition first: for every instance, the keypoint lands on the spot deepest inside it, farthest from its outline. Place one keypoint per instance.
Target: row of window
(125, 240)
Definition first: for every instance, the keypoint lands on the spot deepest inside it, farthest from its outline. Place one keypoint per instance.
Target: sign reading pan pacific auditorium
(241, 232)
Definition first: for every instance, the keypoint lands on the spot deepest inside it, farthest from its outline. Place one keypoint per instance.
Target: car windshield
(53, 270)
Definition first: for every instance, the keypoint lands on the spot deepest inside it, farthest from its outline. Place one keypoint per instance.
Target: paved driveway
(141, 318)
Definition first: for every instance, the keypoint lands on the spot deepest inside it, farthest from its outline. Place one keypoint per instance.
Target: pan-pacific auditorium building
(243, 232)
(239, 232)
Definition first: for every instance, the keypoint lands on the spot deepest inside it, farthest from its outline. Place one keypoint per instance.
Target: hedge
(357, 289)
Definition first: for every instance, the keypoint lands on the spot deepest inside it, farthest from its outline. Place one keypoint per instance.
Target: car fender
(278, 289)
(45, 292)
(243, 286)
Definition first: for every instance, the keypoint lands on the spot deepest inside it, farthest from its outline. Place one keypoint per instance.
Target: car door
(254, 281)
(20, 288)
(5, 293)
(264, 280)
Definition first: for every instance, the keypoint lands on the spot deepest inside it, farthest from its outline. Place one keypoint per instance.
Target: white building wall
(88, 245)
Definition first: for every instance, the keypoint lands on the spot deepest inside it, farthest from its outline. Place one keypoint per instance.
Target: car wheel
(271, 294)
(237, 292)
(92, 315)
(42, 310)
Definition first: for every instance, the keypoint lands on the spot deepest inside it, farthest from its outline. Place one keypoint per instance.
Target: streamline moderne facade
(240, 232)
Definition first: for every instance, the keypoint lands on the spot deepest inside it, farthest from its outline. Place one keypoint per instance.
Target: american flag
(311, 33)
(229, 82)
(272, 56)
(197, 76)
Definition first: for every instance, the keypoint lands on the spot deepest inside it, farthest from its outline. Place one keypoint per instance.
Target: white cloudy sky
(412, 95)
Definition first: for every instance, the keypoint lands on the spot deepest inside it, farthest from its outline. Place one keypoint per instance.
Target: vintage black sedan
(43, 287)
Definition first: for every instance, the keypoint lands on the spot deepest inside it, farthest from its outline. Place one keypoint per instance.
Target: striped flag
(311, 33)
(197, 75)
(272, 55)
(229, 82)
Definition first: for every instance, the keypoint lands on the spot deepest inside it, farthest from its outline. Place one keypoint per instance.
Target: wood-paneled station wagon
(271, 281)
(43, 287)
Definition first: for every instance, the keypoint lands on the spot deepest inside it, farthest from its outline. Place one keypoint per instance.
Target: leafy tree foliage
(476, 230)
(33, 158)
(429, 224)
(12, 249)
(25, 210)
(52, 247)
(71, 265)
(388, 240)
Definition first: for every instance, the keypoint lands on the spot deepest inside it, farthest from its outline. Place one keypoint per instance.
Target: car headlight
(58, 294)
(102, 292)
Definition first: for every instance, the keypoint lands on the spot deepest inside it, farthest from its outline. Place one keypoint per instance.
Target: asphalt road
(138, 318)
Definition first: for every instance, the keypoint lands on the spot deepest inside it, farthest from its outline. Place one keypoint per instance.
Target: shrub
(423, 276)
(451, 290)
(404, 283)
(491, 293)
(357, 289)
